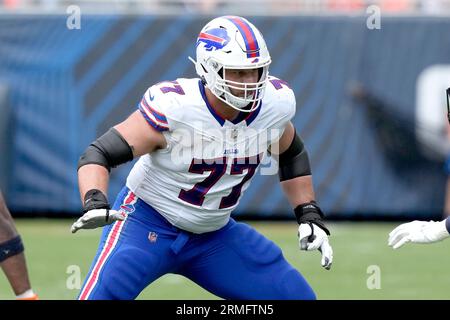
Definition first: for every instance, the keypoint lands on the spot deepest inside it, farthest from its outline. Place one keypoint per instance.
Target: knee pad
(11, 248)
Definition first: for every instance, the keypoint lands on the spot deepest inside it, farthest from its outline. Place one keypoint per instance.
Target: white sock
(27, 294)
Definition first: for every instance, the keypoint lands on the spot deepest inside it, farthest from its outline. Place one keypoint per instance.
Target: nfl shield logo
(152, 236)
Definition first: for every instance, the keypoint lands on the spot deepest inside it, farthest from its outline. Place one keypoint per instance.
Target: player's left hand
(418, 232)
(312, 237)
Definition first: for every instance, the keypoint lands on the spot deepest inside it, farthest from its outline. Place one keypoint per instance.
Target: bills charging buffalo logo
(213, 39)
(127, 208)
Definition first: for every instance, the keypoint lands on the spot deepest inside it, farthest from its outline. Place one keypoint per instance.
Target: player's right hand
(418, 232)
(97, 218)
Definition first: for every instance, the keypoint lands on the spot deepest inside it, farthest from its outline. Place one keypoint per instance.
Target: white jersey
(198, 179)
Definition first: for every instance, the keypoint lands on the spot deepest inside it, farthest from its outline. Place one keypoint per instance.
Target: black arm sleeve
(294, 162)
(109, 151)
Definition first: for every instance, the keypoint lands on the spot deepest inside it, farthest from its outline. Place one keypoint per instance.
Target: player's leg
(128, 258)
(237, 262)
(12, 257)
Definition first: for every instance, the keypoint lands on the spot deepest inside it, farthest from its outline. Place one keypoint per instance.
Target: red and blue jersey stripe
(251, 44)
(156, 119)
(159, 116)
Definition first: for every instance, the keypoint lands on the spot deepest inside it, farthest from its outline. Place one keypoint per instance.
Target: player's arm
(296, 181)
(424, 231)
(125, 141)
(419, 232)
(12, 256)
(120, 144)
(294, 170)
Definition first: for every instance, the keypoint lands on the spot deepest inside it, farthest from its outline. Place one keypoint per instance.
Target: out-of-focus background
(370, 80)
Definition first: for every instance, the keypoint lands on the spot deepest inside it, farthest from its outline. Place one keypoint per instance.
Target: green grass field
(412, 272)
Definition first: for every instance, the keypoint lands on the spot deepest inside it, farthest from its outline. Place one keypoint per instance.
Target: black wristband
(95, 199)
(310, 213)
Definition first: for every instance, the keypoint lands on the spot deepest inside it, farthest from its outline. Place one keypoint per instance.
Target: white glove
(97, 218)
(311, 237)
(418, 232)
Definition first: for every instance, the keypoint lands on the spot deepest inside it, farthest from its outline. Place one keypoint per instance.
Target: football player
(12, 257)
(423, 231)
(200, 142)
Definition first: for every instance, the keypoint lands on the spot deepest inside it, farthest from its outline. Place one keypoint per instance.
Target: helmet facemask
(250, 93)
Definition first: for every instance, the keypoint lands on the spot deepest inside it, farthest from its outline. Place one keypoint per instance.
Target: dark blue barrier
(6, 127)
(69, 86)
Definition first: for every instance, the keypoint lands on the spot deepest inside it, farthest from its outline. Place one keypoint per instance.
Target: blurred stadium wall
(356, 98)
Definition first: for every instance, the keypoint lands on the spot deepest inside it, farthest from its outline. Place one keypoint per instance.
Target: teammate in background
(12, 257)
(200, 141)
(425, 231)
(447, 162)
